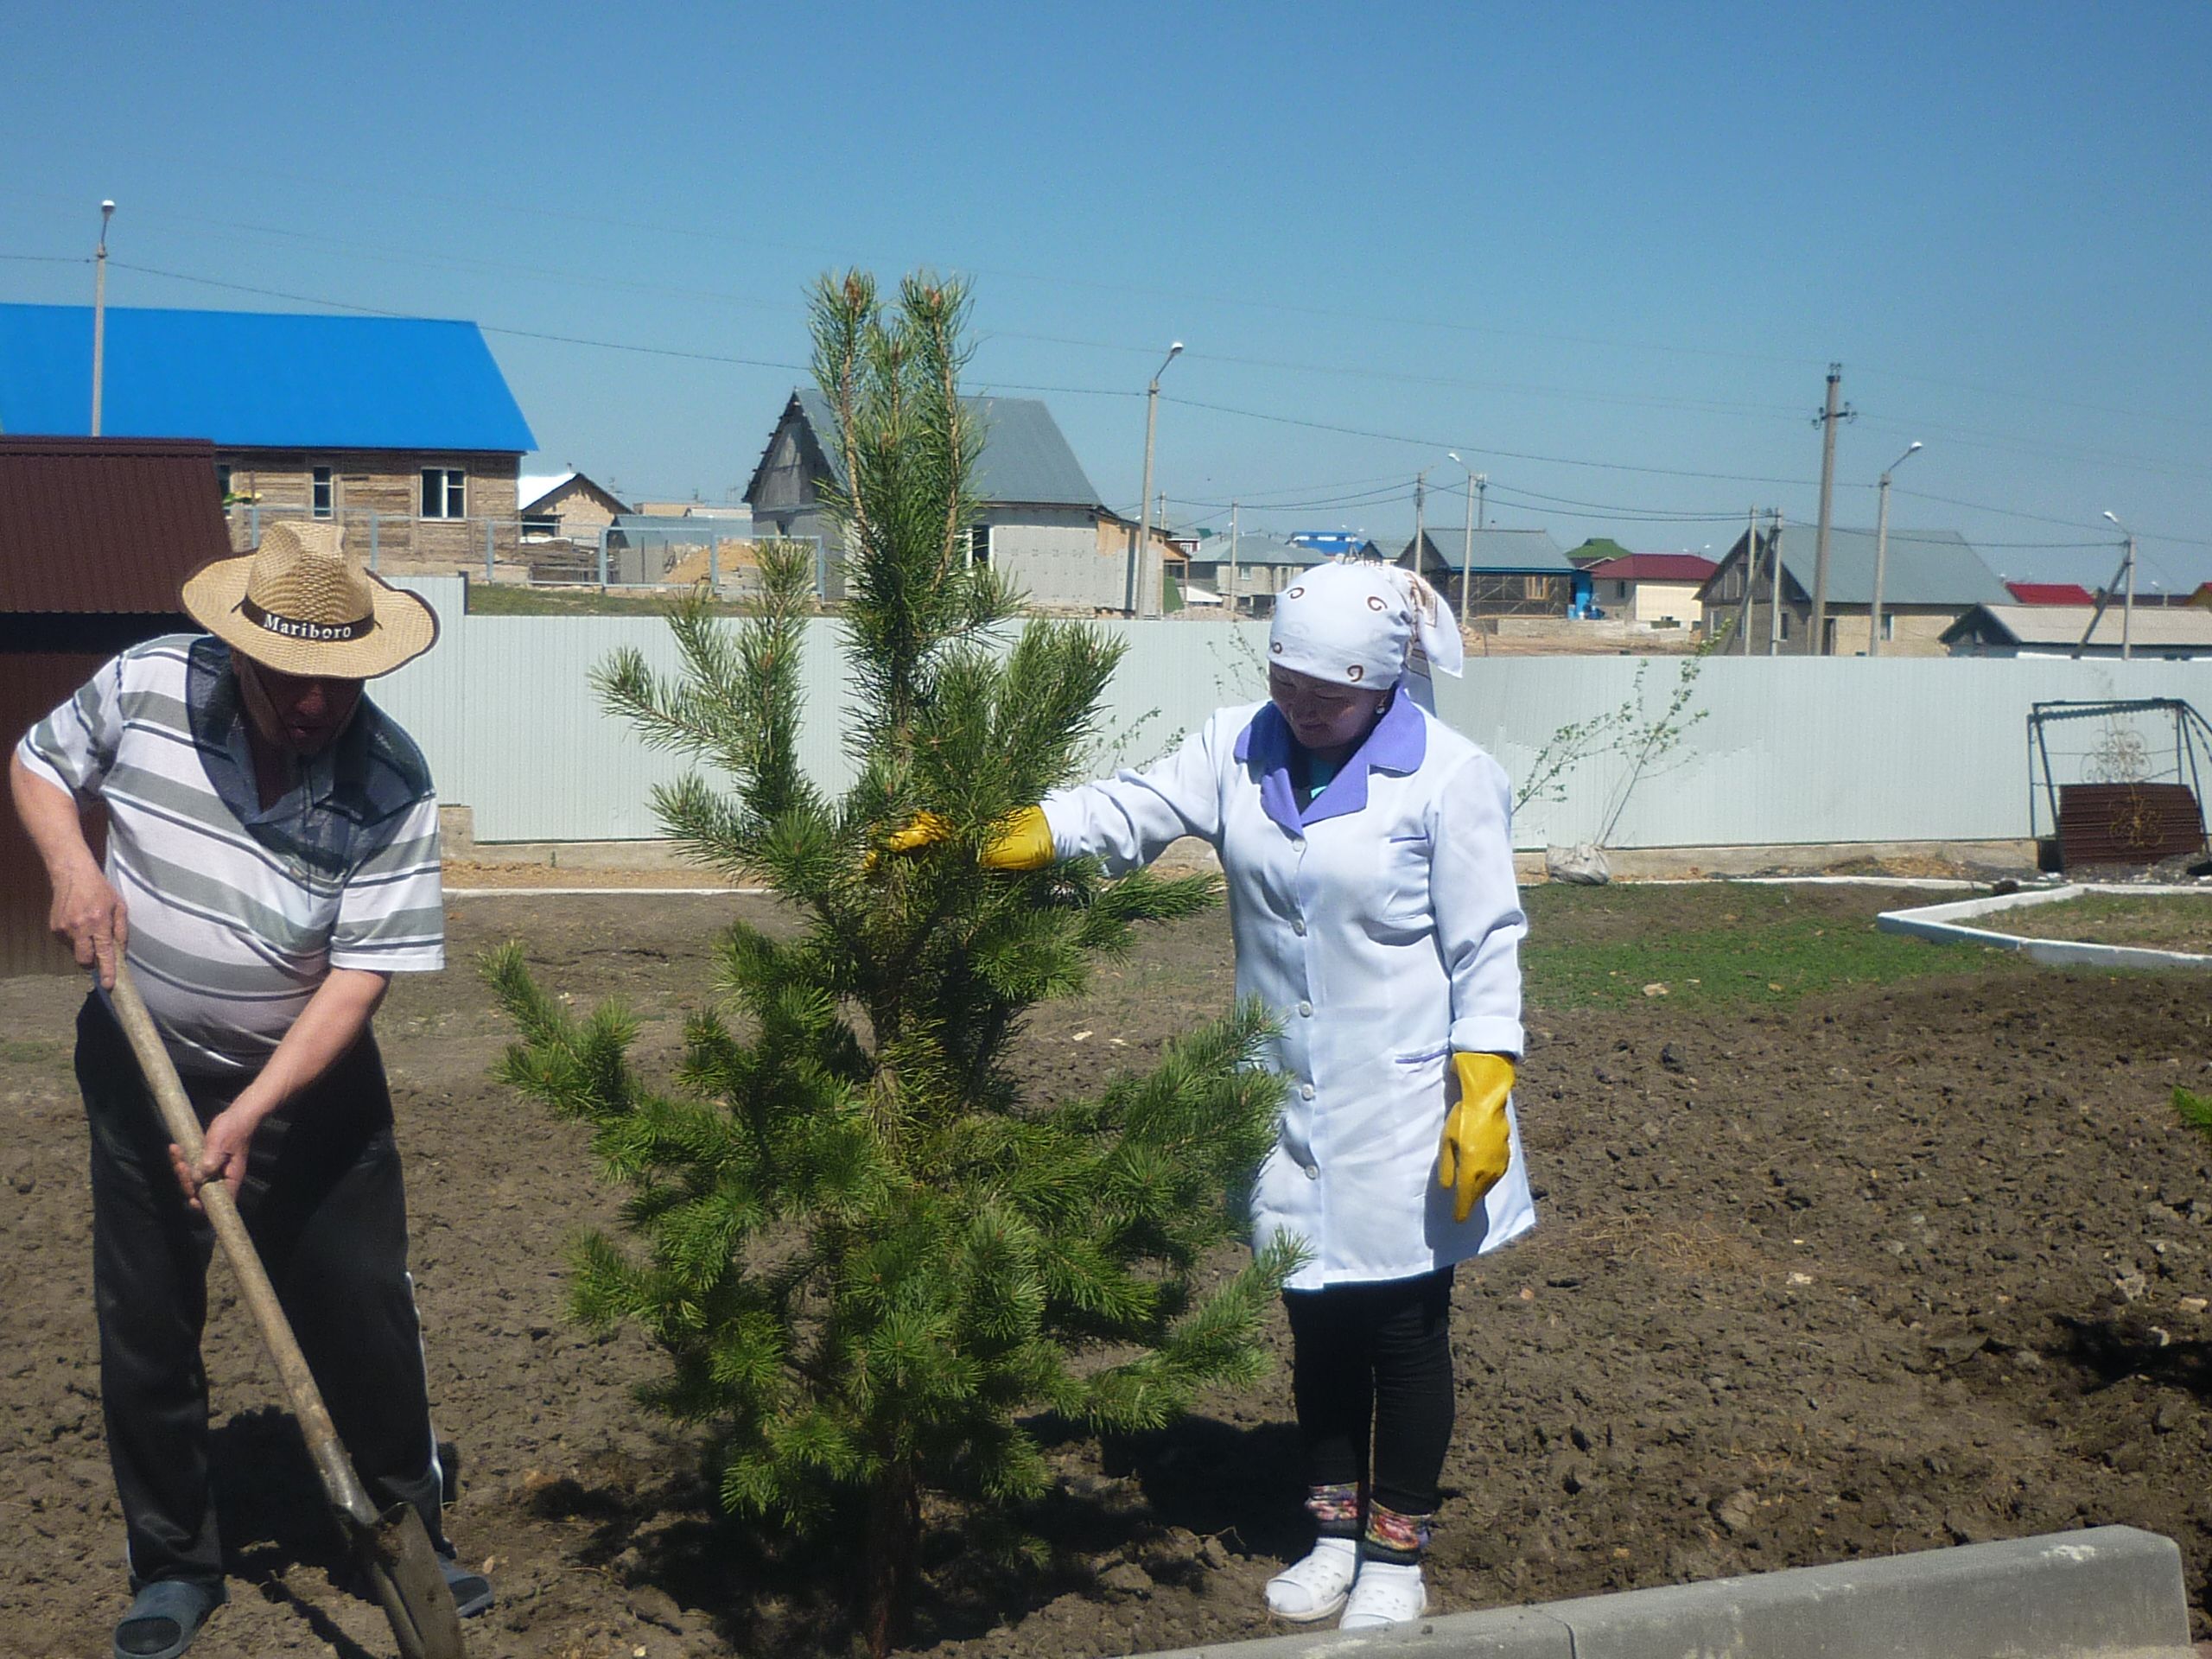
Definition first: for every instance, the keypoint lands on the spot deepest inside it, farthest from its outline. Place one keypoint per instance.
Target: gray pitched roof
(1512, 552)
(1025, 457)
(2153, 627)
(1925, 567)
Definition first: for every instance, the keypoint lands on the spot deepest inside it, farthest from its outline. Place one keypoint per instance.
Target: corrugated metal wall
(31, 684)
(1791, 750)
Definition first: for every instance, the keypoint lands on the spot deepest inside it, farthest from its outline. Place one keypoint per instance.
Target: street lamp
(1882, 552)
(1475, 481)
(1140, 555)
(99, 313)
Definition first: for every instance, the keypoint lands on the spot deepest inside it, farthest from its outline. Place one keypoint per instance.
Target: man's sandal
(164, 1619)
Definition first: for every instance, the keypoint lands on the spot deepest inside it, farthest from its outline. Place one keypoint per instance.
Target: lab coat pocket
(1403, 880)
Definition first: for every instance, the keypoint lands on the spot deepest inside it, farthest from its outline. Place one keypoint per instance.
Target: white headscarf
(1358, 622)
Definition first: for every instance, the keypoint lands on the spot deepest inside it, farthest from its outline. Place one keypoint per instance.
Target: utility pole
(1231, 596)
(2123, 578)
(1467, 548)
(1482, 500)
(1818, 645)
(1751, 576)
(1774, 566)
(1882, 552)
(1420, 522)
(1140, 551)
(1467, 561)
(99, 314)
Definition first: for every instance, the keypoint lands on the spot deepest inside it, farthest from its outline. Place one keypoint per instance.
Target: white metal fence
(1790, 750)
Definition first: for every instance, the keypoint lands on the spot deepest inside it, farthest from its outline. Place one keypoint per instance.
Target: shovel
(391, 1548)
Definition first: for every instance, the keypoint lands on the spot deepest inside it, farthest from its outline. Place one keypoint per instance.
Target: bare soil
(1897, 1267)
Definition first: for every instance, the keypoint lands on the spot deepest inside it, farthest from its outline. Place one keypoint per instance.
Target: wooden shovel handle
(339, 1480)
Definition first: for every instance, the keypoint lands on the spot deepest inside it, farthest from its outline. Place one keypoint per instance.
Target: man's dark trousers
(323, 1201)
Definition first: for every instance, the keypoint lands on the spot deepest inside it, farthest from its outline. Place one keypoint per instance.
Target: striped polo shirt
(238, 913)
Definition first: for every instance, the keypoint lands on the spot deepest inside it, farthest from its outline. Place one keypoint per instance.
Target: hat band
(292, 627)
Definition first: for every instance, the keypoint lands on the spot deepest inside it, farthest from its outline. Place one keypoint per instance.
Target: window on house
(445, 493)
(223, 483)
(979, 544)
(323, 491)
(1785, 625)
(1888, 626)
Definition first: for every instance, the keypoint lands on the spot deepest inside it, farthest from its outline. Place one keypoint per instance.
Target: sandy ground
(1893, 1268)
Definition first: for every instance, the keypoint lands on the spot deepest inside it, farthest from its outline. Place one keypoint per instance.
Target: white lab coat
(1383, 927)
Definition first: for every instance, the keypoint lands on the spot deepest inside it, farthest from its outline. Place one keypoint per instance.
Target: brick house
(1654, 589)
(402, 428)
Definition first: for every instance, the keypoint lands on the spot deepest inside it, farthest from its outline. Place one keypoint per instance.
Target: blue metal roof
(276, 379)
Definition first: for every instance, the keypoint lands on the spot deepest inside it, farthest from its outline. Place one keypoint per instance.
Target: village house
(1657, 590)
(2174, 633)
(564, 506)
(1931, 579)
(1509, 572)
(2049, 593)
(401, 427)
(1264, 567)
(1038, 521)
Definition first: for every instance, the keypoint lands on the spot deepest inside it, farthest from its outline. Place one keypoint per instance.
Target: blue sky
(1604, 252)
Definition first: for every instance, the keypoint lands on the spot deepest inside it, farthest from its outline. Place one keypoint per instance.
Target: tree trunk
(895, 1527)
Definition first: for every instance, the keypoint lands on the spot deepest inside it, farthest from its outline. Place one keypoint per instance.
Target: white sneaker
(1389, 1593)
(1314, 1588)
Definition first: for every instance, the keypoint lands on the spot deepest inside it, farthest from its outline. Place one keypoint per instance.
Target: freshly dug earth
(1888, 1268)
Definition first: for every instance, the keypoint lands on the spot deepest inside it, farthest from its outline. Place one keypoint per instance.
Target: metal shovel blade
(403, 1568)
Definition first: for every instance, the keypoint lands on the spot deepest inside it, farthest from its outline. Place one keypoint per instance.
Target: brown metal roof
(105, 524)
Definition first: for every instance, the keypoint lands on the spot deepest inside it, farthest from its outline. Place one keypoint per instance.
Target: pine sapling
(868, 1254)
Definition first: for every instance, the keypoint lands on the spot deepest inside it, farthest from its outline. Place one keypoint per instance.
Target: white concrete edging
(1942, 923)
(2107, 1592)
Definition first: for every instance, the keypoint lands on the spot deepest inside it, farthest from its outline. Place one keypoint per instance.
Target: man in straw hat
(272, 860)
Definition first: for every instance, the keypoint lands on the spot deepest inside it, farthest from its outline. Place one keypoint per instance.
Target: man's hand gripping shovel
(392, 1548)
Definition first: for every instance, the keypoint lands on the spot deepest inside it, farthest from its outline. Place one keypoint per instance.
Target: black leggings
(1374, 1362)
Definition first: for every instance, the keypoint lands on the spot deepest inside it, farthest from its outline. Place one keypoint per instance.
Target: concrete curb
(2107, 1593)
(1943, 924)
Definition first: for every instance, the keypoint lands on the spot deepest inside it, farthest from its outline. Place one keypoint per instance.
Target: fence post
(603, 529)
(715, 565)
(487, 549)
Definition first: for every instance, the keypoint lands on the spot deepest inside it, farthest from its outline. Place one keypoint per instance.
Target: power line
(1485, 449)
(1591, 508)
(2045, 519)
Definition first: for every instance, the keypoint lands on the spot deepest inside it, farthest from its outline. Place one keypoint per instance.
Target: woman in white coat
(1371, 897)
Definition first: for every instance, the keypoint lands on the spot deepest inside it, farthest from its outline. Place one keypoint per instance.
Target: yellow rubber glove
(1019, 841)
(1477, 1145)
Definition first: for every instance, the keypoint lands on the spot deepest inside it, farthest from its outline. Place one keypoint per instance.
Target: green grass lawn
(1725, 944)
(2180, 921)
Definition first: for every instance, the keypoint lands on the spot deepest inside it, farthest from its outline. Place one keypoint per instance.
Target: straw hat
(302, 604)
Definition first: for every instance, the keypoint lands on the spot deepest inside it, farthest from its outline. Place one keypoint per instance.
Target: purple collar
(1397, 744)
